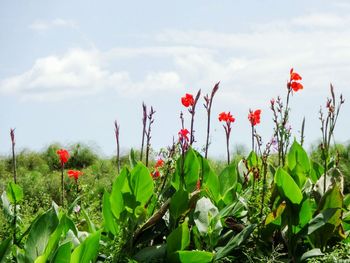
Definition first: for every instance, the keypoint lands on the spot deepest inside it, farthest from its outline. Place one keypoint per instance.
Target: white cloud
(43, 25)
(322, 21)
(80, 73)
(245, 62)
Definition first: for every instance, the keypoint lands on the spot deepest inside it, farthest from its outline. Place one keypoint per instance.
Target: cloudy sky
(68, 69)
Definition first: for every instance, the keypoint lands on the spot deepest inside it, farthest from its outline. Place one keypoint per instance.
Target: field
(278, 203)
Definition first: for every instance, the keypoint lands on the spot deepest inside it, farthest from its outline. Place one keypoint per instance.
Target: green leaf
(14, 192)
(316, 171)
(119, 187)
(191, 168)
(108, 218)
(276, 214)
(210, 179)
(178, 203)
(305, 213)
(252, 159)
(228, 181)
(54, 239)
(151, 254)
(87, 251)
(63, 253)
(5, 248)
(194, 256)
(311, 253)
(299, 175)
(39, 234)
(179, 239)
(141, 183)
(234, 242)
(132, 158)
(297, 155)
(320, 220)
(287, 186)
(333, 198)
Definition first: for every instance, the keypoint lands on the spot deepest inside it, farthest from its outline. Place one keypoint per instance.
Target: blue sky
(68, 69)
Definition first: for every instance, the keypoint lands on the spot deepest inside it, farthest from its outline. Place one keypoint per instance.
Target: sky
(69, 69)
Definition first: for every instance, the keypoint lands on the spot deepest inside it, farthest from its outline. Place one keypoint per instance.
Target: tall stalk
(144, 122)
(208, 103)
(117, 141)
(148, 133)
(327, 128)
(12, 134)
(192, 110)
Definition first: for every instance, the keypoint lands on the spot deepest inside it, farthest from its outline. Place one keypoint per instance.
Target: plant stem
(209, 102)
(193, 111)
(228, 147)
(148, 134)
(62, 185)
(12, 134)
(144, 122)
(252, 138)
(117, 140)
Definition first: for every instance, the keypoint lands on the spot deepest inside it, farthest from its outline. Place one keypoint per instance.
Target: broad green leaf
(297, 155)
(116, 198)
(191, 168)
(14, 192)
(178, 203)
(228, 181)
(179, 239)
(276, 214)
(316, 171)
(194, 256)
(5, 248)
(210, 179)
(87, 251)
(63, 253)
(234, 242)
(252, 159)
(39, 234)
(305, 213)
(151, 254)
(54, 239)
(320, 220)
(141, 183)
(299, 175)
(213, 186)
(333, 198)
(311, 253)
(108, 218)
(287, 186)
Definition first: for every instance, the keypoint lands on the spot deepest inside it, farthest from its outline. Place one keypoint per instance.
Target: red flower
(187, 100)
(183, 134)
(226, 117)
(63, 155)
(294, 75)
(294, 81)
(74, 174)
(254, 117)
(155, 174)
(159, 163)
(296, 86)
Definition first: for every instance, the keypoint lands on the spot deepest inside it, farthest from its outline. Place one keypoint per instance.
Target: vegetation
(276, 204)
